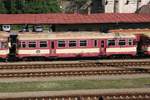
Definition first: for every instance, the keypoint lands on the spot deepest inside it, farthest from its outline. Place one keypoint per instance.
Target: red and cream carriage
(75, 44)
(4, 45)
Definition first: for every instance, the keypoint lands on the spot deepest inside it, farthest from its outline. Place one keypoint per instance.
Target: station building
(57, 22)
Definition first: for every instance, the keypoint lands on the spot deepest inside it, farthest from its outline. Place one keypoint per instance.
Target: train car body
(4, 48)
(145, 42)
(75, 44)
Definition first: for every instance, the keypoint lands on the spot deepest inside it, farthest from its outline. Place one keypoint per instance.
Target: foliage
(2, 7)
(29, 6)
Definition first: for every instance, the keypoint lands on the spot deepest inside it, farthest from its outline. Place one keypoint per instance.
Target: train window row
(32, 44)
(121, 42)
(74, 43)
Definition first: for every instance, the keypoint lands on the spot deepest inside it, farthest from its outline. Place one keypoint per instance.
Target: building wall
(89, 27)
(123, 6)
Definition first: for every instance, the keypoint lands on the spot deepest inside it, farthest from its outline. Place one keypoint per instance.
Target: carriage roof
(147, 34)
(72, 35)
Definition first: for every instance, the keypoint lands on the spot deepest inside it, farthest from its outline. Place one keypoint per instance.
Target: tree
(2, 7)
(30, 6)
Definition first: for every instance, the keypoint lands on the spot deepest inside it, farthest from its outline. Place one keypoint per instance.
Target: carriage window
(23, 44)
(72, 43)
(95, 43)
(102, 44)
(4, 45)
(111, 42)
(32, 44)
(61, 43)
(122, 42)
(43, 44)
(83, 43)
(130, 42)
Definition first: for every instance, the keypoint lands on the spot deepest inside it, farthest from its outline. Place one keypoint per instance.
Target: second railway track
(73, 72)
(88, 64)
(74, 69)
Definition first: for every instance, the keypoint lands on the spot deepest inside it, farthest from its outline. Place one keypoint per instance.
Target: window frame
(111, 44)
(75, 41)
(34, 43)
(122, 41)
(63, 44)
(22, 43)
(81, 42)
(130, 41)
(46, 44)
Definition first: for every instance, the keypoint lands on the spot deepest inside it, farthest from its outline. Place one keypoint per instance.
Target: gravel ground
(73, 92)
(105, 77)
(76, 61)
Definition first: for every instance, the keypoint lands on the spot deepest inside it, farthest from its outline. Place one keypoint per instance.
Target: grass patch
(73, 85)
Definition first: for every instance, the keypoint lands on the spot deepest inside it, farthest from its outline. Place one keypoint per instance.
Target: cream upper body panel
(72, 35)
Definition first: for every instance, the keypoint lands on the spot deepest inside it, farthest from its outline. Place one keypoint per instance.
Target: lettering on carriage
(37, 51)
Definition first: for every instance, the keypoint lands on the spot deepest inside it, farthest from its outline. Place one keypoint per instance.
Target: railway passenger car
(75, 44)
(4, 48)
(145, 43)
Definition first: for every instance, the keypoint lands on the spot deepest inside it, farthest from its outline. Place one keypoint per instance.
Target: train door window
(32, 44)
(43, 44)
(111, 42)
(95, 43)
(102, 43)
(130, 42)
(61, 43)
(122, 42)
(23, 44)
(134, 42)
(72, 43)
(0, 45)
(19, 44)
(52, 44)
(83, 43)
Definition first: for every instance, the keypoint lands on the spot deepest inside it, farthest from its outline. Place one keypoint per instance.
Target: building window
(72, 43)
(61, 43)
(122, 42)
(32, 44)
(43, 44)
(111, 42)
(83, 43)
(73, 30)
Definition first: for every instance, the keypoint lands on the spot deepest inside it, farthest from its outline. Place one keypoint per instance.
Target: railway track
(75, 64)
(73, 69)
(71, 72)
(136, 96)
(103, 96)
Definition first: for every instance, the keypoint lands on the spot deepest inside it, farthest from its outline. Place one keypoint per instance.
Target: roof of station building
(61, 18)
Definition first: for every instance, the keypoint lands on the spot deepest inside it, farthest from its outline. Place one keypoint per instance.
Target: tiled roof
(60, 18)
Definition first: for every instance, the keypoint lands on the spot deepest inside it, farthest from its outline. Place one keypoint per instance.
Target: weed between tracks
(73, 85)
